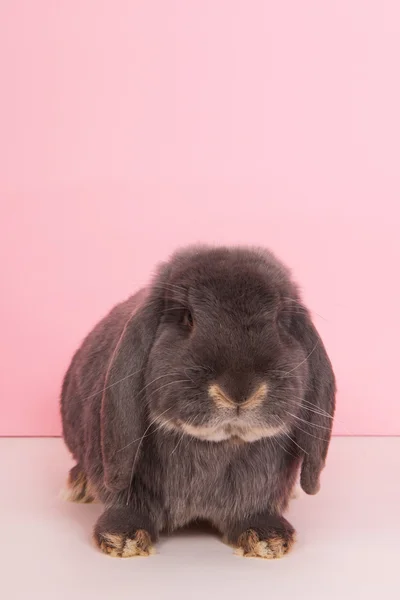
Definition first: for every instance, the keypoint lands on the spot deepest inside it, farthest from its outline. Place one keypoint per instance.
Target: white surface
(349, 537)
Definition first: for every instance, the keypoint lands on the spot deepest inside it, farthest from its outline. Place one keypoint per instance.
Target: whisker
(170, 287)
(310, 409)
(196, 367)
(111, 385)
(169, 383)
(275, 439)
(302, 307)
(291, 439)
(154, 380)
(179, 442)
(189, 376)
(190, 438)
(312, 435)
(278, 372)
(303, 361)
(310, 406)
(107, 387)
(151, 433)
(307, 422)
(181, 437)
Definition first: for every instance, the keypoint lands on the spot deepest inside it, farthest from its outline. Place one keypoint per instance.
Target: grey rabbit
(200, 398)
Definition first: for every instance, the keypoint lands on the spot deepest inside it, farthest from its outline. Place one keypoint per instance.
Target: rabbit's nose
(239, 392)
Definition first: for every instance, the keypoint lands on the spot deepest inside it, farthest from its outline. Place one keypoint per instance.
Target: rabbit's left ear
(319, 405)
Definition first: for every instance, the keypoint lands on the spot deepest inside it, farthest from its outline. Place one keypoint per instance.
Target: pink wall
(131, 127)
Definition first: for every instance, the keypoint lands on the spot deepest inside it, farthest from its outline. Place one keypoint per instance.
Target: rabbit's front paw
(266, 543)
(122, 546)
(122, 533)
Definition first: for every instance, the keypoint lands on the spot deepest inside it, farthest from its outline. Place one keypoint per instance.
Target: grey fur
(249, 326)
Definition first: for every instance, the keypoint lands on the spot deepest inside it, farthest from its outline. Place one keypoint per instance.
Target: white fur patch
(225, 432)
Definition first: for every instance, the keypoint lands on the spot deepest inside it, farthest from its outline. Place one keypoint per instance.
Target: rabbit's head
(228, 352)
(225, 362)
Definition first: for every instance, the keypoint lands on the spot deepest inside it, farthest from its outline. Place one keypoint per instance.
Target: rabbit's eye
(188, 319)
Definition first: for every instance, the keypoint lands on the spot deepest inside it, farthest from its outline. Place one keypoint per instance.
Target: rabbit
(201, 397)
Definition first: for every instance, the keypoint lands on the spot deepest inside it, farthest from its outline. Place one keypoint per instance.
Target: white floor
(349, 537)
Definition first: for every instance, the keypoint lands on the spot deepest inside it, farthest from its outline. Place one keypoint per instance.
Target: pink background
(131, 127)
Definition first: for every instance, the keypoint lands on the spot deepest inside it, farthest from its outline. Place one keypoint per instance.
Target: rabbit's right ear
(123, 407)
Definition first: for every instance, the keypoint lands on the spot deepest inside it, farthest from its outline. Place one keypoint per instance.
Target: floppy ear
(319, 404)
(123, 407)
